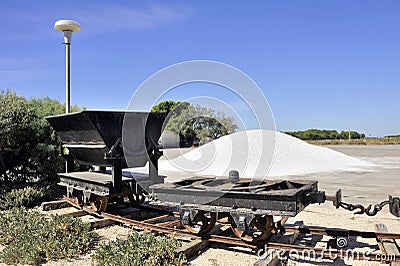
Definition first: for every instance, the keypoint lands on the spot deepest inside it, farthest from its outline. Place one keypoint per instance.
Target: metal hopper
(88, 135)
(95, 138)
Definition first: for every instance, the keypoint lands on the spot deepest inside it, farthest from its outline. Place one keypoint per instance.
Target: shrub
(139, 249)
(17, 138)
(323, 134)
(31, 237)
(29, 148)
(26, 197)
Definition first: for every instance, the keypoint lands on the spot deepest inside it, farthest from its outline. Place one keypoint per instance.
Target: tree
(165, 106)
(391, 136)
(202, 129)
(195, 124)
(29, 147)
(48, 151)
(18, 136)
(318, 134)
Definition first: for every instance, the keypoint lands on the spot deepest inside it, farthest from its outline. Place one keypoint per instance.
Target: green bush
(139, 249)
(30, 151)
(26, 197)
(195, 123)
(324, 134)
(31, 237)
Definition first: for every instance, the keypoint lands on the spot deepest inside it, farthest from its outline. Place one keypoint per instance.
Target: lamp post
(68, 27)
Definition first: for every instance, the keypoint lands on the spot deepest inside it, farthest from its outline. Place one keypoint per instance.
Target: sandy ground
(364, 188)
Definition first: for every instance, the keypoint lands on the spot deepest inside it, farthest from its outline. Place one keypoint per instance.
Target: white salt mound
(260, 153)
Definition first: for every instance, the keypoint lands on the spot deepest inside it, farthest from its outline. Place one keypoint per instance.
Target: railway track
(168, 227)
(164, 221)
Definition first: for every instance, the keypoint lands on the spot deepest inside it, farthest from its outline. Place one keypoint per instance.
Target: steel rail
(340, 232)
(163, 229)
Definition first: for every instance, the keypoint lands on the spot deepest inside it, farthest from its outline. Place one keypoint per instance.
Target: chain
(361, 209)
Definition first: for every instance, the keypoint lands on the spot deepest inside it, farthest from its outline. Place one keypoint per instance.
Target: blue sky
(320, 64)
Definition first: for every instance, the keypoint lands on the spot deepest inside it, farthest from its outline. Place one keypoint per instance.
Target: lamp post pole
(67, 27)
(67, 78)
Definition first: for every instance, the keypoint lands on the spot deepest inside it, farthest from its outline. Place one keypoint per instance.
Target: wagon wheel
(100, 204)
(136, 199)
(77, 197)
(278, 226)
(201, 223)
(260, 229)
(141, 198)
(132, 199)
(119, 199)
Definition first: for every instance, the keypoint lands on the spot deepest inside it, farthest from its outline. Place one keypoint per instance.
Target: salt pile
(260, 153)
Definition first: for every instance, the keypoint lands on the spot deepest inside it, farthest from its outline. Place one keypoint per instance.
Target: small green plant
(26, 197)
(139, 249)
(31, 237)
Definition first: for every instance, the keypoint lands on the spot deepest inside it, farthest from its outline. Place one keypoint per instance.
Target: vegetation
(332, 137)
(392, 136)
(167, 106)
(29, 149)
(366, 141)
(195, 124)
(29, 197)
(318, 134)
(139, 249)
(31, 238)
